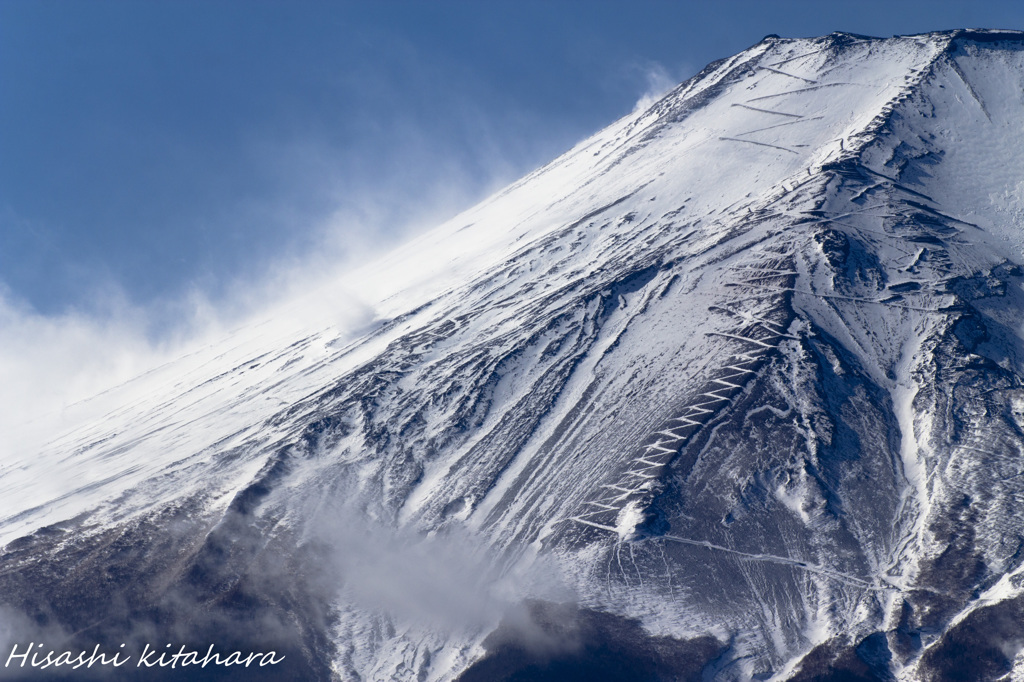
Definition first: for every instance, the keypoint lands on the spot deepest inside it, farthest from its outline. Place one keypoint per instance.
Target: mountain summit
(732, 390)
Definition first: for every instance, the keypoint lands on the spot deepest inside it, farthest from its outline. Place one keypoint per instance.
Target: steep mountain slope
(731, 390)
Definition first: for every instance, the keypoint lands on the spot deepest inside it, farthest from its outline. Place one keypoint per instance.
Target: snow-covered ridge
(766, 330)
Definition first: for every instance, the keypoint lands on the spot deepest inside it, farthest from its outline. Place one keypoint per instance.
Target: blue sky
(153, 150)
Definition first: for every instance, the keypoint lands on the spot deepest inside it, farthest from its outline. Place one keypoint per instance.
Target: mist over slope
(731, 390)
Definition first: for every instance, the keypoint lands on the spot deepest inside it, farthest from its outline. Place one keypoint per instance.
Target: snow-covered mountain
(731, 390)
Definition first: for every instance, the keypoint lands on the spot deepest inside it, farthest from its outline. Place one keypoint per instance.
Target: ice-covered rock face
(737, 382)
